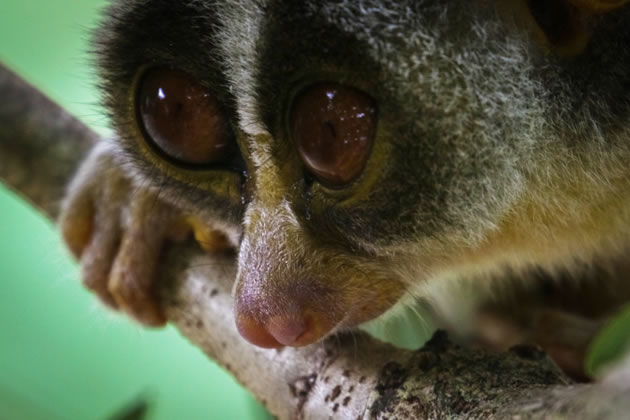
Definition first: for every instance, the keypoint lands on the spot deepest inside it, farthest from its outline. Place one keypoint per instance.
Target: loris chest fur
(356, 154)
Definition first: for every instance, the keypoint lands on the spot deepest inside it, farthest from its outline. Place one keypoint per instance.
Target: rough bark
(347, 376)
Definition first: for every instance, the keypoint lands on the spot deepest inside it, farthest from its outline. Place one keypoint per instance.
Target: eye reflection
(183, 118)
(333, 127)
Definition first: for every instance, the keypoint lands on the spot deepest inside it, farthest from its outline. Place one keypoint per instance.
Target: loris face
(351, 150)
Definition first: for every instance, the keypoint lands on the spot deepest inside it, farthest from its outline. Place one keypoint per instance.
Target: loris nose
(279, 330)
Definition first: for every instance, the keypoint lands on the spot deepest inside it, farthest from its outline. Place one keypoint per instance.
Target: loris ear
(566, 26)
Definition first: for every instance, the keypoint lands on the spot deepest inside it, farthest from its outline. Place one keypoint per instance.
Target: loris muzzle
(355, 154)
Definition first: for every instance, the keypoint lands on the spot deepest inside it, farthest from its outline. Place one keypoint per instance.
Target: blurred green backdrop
(61, 355)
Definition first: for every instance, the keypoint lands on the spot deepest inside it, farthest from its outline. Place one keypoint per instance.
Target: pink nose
(277, 331)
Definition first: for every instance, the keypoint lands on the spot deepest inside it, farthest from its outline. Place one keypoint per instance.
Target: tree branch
(40, 143)
(347, 376)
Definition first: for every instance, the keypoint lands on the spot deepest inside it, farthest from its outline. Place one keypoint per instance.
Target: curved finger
(76, 222)
(97, 259)
(133, 279)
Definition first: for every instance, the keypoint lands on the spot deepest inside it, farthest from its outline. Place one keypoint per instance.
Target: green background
(62, 356)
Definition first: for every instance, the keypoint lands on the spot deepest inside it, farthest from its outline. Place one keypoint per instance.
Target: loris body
(370, 151)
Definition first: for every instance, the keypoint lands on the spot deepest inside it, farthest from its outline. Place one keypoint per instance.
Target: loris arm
(118, 230)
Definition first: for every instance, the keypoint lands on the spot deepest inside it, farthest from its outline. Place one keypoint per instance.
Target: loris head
(351, 148)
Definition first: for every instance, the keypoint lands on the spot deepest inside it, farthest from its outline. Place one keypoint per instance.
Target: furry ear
(566, 26)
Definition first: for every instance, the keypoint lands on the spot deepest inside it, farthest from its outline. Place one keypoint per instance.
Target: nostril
(255, 332)
(279, 330)
(287, 330)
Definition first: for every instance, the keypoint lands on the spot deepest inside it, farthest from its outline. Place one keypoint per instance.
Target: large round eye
(183, 118)
(333, 127)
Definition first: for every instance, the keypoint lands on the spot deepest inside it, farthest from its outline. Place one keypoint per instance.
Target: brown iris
(333, 128)
(183, 118)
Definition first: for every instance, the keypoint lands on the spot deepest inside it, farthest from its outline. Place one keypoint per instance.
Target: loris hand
(118, 230)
